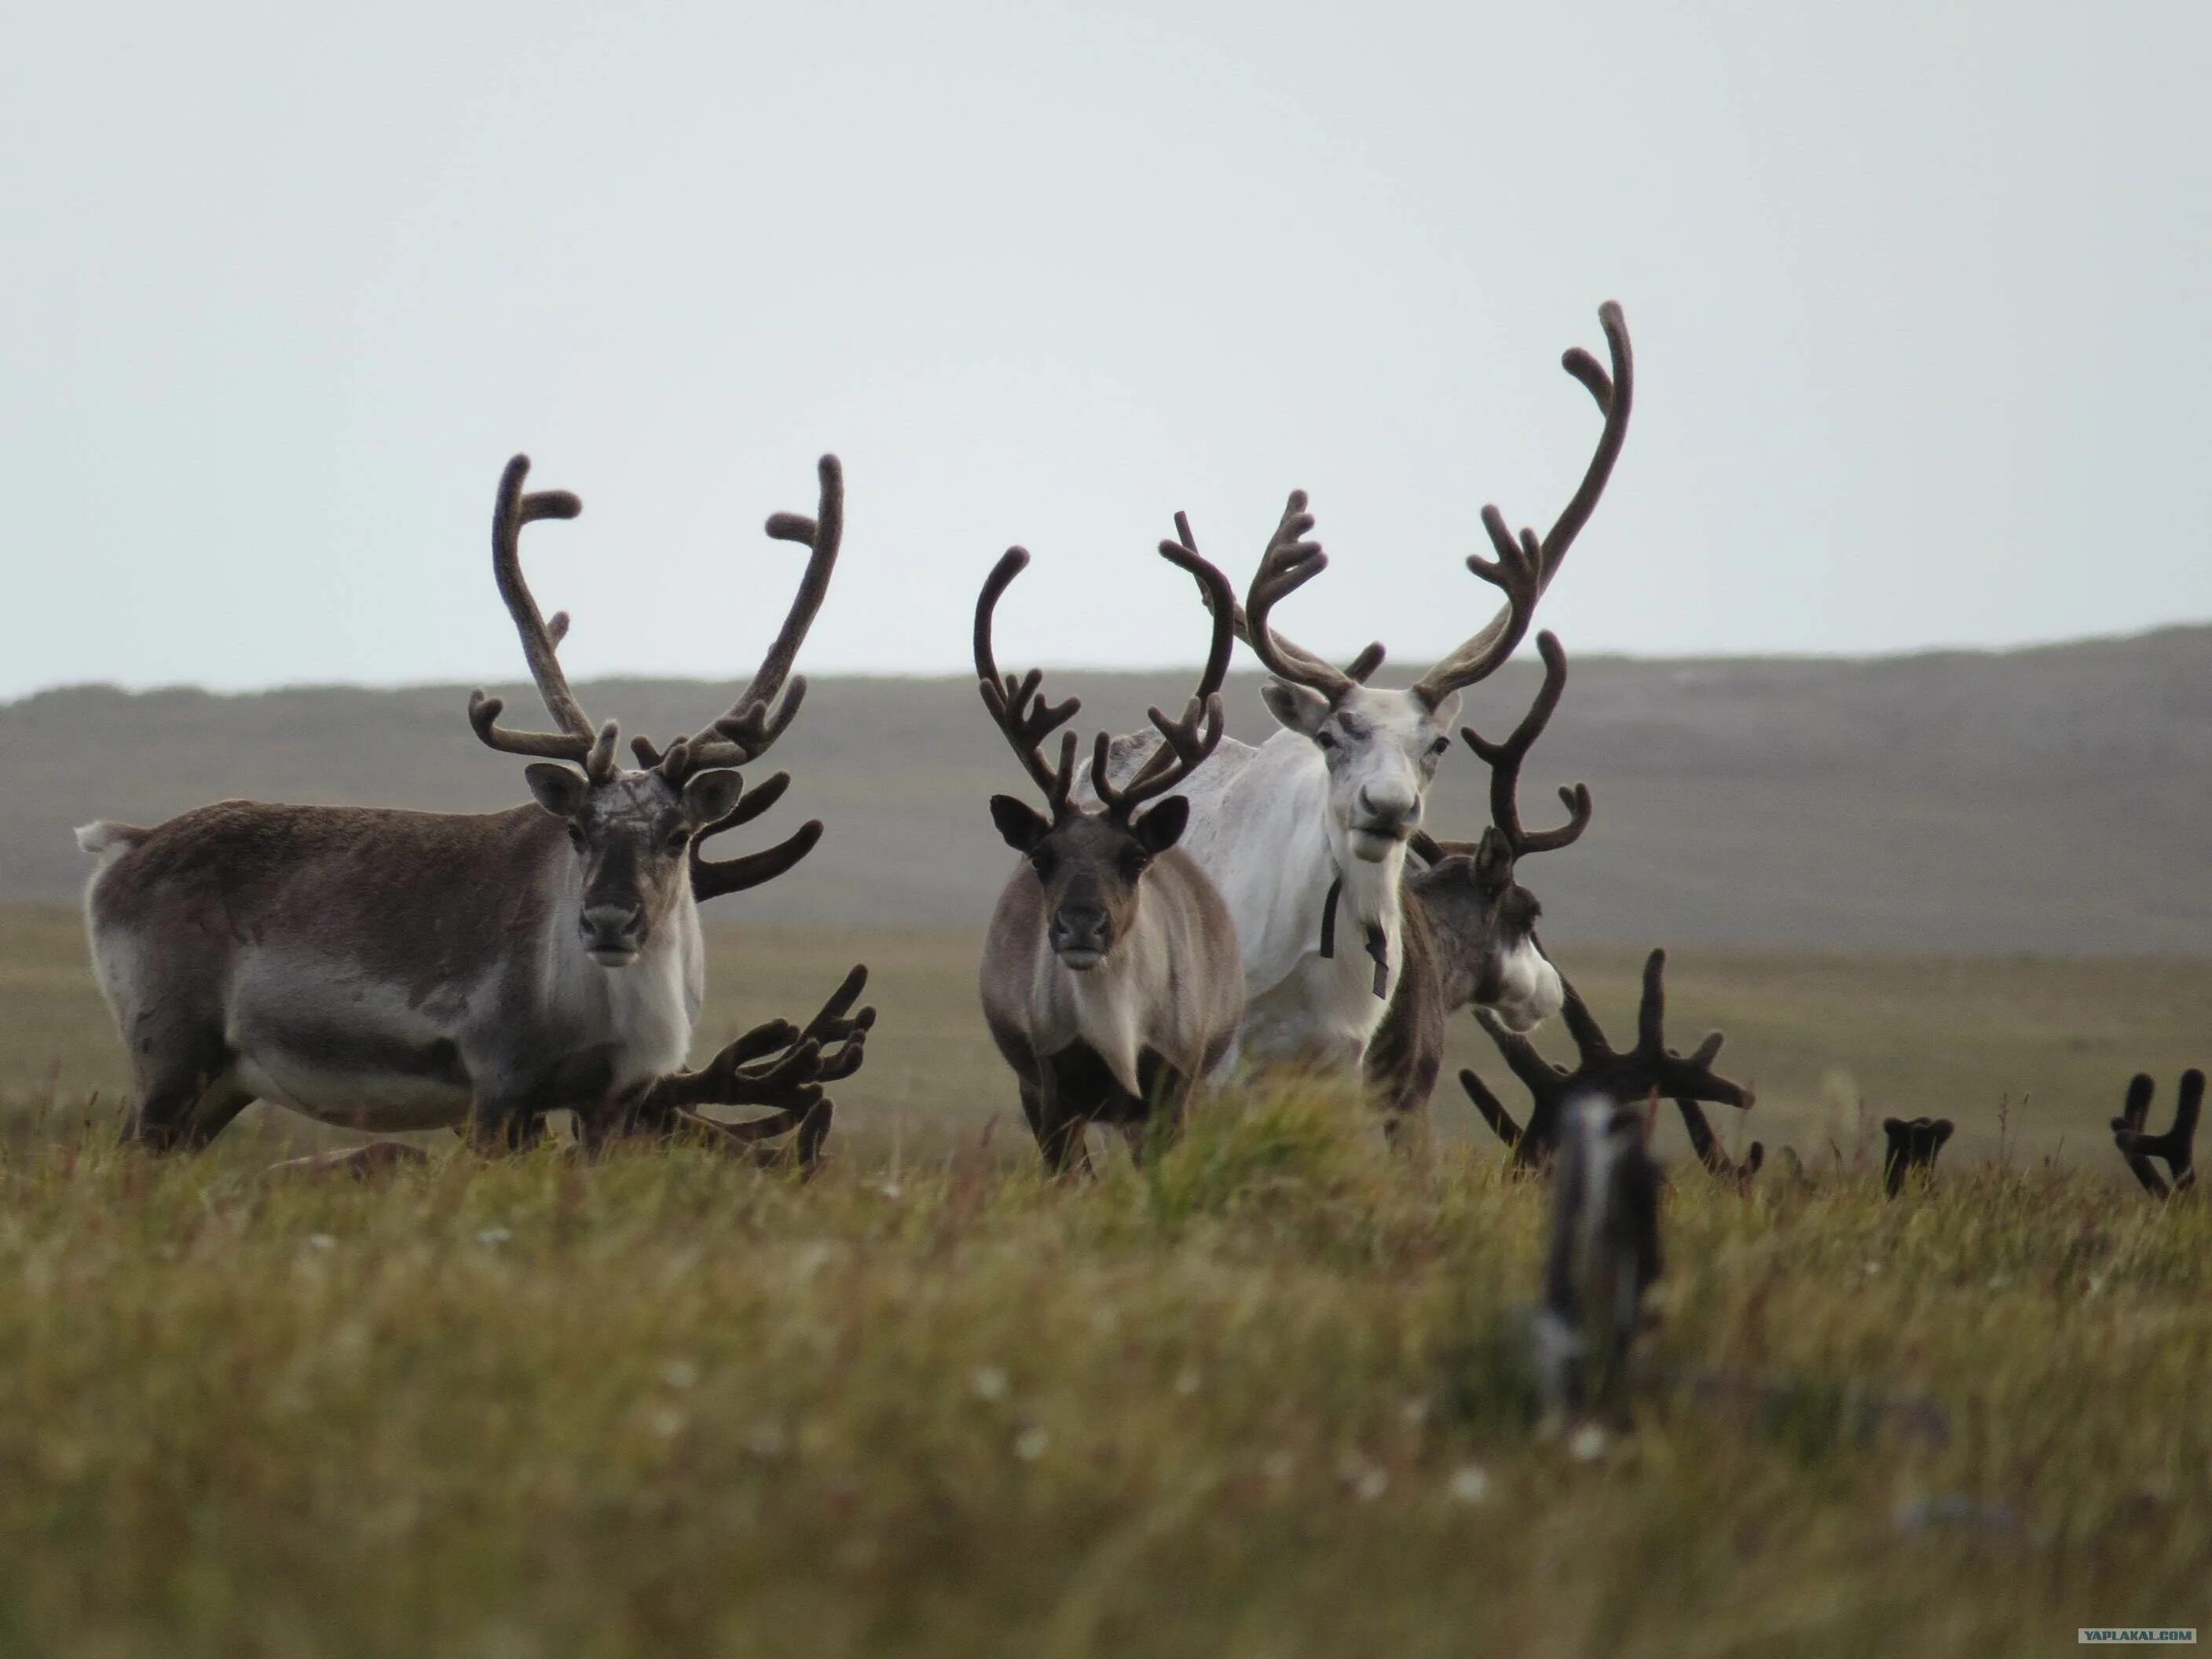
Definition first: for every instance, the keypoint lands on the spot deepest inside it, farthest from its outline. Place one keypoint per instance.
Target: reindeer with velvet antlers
(389, 970)
(1109, 977)
(1305, 835)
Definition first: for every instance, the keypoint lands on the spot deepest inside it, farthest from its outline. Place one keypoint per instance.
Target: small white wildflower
(1470, 1485)
(892, 1191)
(491, 1237)
(1870, 1268)
(1370, 1485)
(1029, 1444)
(1588, 1443)
(988, 1381)
(1414, 1413)
(679, 1374)
(766, 1439)
(1187, 1380)
(321, 1242)
(1276, 1466)
(2096, 1285)
(667, 1422)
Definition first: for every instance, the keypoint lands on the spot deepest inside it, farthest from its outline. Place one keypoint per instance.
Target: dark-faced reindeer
(1621, 1078)
(1109, 977)
(1470, 926)
(1305, 835)
(389, 970)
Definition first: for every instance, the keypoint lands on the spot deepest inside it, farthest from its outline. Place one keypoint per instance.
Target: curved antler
(1505, 759)
(575, 741)
(1369, 660)
(1525, 569)
(751, 725)
(1288, 564)
(1187, 742)
(1018, 706)
(712, 877)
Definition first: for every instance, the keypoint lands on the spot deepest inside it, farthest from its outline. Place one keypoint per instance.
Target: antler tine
(2176, 1146)
(750, 725)
(1614, 395)
(1188, 742)
(1671, 1073)
(1504, 760)
(1492, 1109)
(712, 877)
(1018, 706)
(576, 741)
(1187, 745)
(1288, 564)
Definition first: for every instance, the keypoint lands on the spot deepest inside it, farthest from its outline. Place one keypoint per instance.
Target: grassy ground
(1263, 1399)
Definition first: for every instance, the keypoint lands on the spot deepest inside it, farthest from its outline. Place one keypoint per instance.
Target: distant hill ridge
(2057, 799)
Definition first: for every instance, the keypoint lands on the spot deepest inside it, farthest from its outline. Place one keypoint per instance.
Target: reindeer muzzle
(1081, 938)
(612, 934)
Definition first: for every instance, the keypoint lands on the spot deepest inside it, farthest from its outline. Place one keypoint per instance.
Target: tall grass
(1260, 1396)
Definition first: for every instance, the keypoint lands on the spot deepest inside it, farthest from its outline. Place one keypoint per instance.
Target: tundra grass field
(1264, 1397)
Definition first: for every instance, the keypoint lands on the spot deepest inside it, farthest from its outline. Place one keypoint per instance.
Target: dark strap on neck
(1378, 941)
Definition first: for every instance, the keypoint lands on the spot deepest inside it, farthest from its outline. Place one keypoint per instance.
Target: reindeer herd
(1186, 908)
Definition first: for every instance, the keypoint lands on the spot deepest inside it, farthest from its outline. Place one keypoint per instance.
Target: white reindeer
(1304, 837)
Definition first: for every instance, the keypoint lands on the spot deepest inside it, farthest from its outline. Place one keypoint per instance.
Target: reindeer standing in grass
(1305, 835)
(390, 970)
(1109, 977)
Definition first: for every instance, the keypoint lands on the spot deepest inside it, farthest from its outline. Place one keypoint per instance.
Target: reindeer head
(1485, 919)
(633, 829)
(1381, 748)
(1092, 865)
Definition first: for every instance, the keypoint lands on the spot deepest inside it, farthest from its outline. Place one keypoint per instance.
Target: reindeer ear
(1493, 860)
(1022, 825)
(1301, 709)
(558, 790)
(709, 796)
(1163, 827)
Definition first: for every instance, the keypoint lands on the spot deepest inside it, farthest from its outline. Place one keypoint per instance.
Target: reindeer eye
(1326, 740)
(1440, 745)
(676, 843)
(1133, 861)
(1044, 863)
(576, 835)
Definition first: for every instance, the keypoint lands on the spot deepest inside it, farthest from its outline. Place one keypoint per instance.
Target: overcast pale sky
(1918, 294)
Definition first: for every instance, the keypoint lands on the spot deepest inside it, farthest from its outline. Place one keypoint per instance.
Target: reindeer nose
(1083, 929)
(1390, 811)
(612, 928)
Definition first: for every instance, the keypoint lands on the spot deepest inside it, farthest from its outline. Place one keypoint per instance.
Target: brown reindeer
(1109, 977)
(1619, 1078)
(1470, 925)
(391, 971)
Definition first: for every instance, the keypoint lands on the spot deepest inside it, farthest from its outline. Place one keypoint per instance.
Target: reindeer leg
(502, 1123)
(1059, 1126)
